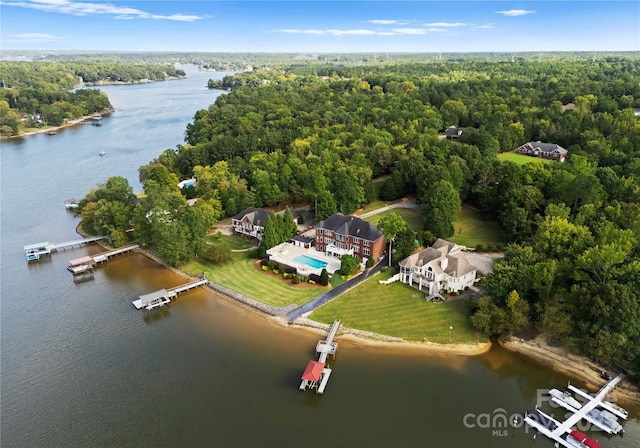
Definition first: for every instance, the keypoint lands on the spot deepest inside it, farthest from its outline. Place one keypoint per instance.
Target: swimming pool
(309, 261)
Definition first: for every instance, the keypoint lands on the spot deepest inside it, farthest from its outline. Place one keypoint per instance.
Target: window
(327, 240)
(340, 237)
(366, 251)
(356, 240)
(366, 242)
(319, 231)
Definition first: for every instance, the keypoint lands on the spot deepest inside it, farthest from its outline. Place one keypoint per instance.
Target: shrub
(370, 262)
(480, 247)
(324, 277)
(282, 267)
(275, 271)
(265, 268)
(295, 280)
(312, 282)
(285, 275)
(272, 264)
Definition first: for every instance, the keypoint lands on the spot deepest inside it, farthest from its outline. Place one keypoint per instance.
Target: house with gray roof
(544, 150)
(251, 221)
(443, 266)
(340, 234)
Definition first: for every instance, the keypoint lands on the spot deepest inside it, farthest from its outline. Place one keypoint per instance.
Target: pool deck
(286, 252)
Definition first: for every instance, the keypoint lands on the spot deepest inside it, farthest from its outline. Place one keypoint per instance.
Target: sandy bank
(368, 339)
(579, 367)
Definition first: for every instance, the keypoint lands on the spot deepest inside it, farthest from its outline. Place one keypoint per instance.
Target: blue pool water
(313, 262)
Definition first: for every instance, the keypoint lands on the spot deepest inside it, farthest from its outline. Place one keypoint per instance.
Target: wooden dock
(164, 296)
(557, 431)
(86, 264)
(316, 375)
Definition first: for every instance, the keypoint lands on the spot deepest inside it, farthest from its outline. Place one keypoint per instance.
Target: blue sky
(320, 26)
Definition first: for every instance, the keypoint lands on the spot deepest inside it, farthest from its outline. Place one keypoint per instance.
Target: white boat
(102, 153)
(607, 420)
(564, 399)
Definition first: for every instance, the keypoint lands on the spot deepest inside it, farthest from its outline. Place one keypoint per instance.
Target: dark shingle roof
(258, 216)
(350, 225)
(547, 147)
(302, 239)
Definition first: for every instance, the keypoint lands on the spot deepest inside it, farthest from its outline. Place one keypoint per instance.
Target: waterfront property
(340, 234)
(443, 266)
(317, 373)
(306, 261)
(251, 221)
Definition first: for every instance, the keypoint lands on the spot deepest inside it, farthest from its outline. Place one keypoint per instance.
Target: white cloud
(486, 26)
(389, 22)
(383, 22)
(446, 24)
(32, 37)
(86, 9)
(437, 30)
(515, 12)
(331, 32)
(413, 31)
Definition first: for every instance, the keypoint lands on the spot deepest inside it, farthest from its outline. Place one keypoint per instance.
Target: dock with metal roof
(34, 251)
(317, 373)
(164, 296)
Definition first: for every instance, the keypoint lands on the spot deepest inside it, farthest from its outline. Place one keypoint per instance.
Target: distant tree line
(37, 94)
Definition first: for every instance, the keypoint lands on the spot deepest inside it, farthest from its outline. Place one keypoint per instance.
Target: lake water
(80, 367)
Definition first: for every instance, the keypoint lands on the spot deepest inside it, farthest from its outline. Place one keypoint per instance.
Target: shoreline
(581, 368)
(69, 124)
(557, 358)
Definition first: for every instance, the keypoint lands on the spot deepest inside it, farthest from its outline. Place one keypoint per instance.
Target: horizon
(322, 27)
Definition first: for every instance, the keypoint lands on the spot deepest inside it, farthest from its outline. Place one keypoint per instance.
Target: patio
(286, 252)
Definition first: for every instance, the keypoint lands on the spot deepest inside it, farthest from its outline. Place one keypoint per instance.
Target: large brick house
(251, 221)
(340, 234)
(544, 150)
(443, 266)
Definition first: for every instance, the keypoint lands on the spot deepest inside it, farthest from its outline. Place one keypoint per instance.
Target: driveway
(405, 203)
(335, 292)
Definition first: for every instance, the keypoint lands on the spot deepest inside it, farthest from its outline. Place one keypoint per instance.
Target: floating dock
(164, 296)
(316, 375)
(33, 252)
(559, 432)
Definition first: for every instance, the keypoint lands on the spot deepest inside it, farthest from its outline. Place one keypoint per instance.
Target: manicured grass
(233, 242)
(375, 205)
(471, 229)
(414, 219)
(240, 274)
(521, 159)
(401, 311)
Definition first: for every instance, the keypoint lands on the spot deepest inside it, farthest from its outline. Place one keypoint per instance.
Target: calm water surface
(82, 368)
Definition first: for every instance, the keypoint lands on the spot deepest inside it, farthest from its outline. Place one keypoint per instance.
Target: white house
(443, 266)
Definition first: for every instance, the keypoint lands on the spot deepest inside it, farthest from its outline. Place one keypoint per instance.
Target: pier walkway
(164, 296)
(559, 430)
(87, 264)
(316, 375)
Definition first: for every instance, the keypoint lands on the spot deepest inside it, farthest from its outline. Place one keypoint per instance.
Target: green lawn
(240, 275)
(401, 311)
(233, 242)
(521, 159)
(471, 229)
(414, 219)
(375, 205)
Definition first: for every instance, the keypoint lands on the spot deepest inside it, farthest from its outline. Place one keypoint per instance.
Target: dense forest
(37, 94)
(321, 133)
